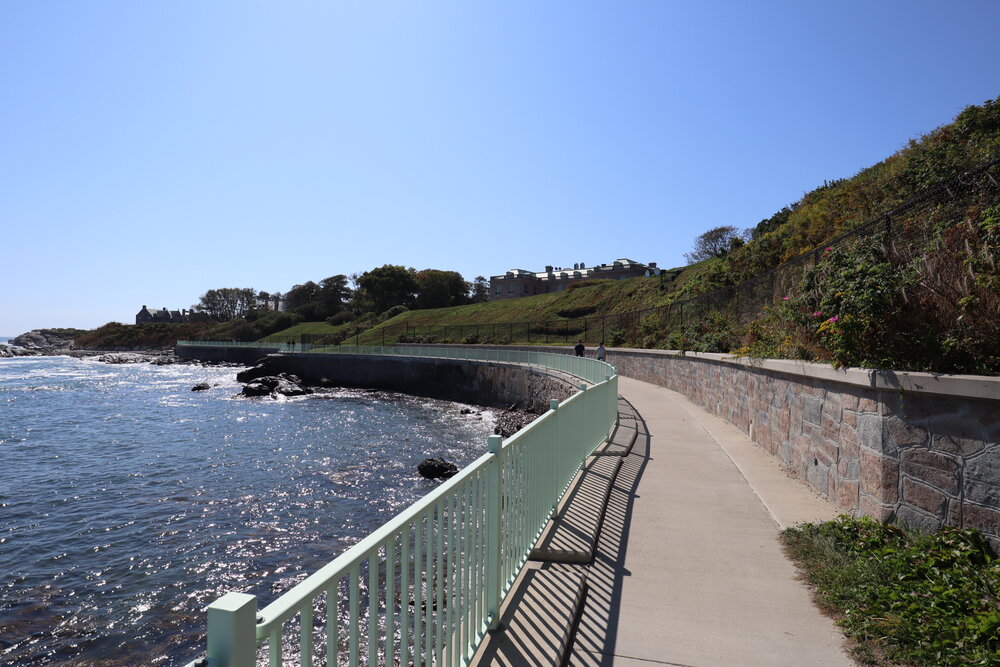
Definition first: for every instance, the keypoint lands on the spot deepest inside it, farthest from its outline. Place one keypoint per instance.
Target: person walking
(601, 352)
(579, 348)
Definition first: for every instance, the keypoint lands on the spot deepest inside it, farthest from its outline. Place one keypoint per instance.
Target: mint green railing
(426, 586)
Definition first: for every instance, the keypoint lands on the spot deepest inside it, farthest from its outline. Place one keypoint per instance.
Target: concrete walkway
(689, 569)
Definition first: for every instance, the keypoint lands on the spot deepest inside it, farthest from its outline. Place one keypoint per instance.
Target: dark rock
(201, 386)
(11, 351)
(283, 384)
(513, 420)
(270, 365)
(46, 341)
(436, 468)
(467, 411)
(123, 358)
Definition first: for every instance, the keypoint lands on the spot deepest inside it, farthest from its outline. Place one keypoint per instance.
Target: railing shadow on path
(597, 626)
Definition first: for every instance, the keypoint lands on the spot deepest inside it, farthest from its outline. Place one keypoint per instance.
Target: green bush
(905, 597)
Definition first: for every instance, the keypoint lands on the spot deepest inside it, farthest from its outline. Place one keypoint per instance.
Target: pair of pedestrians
(601, 352)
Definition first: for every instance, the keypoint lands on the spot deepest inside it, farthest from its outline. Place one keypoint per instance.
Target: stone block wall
(920, 449)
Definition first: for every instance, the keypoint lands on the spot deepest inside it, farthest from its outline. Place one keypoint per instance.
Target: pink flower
(828, 249)
(834, 318)
(785, 298)
(818, 313)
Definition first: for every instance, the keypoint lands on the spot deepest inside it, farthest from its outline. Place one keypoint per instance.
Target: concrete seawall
(482, 383)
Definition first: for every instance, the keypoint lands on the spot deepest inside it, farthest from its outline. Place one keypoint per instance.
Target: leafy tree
(334, 294)
(387, 286)
(440, 289)
(227, 303)
(301, 295)
(480, 290)
(715, 242)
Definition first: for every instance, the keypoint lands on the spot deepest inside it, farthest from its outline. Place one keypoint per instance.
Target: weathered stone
(847, 493)
(784, 451)
(870, 431)
(916, 408)
(925, 497)
(827, 451)
(986, 519)
(957, 435)
(903, 434)
(912, 519)
(831, 427)
(849, 469)
(982, 478)
(934, 468)
(812, 409)
(201, 386)
(867, 404)
(817, 477)
(879, 477)
(850, 418)
(849, 444)
(849, 400)
(869, 506)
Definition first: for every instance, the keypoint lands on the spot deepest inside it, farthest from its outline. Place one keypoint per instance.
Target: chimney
(652, 265)
(548, 269)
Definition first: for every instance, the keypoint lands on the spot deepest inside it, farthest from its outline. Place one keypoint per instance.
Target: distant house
(161, 315)
(519, 282)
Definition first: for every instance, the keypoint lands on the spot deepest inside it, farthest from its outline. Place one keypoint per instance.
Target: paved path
(689, 570)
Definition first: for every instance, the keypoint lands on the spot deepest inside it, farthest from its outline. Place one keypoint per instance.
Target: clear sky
(150, 151)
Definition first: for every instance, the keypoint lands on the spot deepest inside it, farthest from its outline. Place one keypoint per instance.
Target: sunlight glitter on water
(134, 502)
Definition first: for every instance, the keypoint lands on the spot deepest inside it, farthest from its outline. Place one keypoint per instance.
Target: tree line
(340, 298)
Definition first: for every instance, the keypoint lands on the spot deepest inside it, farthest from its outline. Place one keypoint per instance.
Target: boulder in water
(201, 386)
(283, 384)
(435, 468)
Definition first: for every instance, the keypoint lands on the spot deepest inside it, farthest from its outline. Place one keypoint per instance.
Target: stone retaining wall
(921, 449)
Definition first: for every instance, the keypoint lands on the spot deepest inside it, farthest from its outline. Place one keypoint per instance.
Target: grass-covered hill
(920, 292)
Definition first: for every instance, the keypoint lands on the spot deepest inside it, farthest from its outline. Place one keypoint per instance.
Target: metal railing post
(232, 631)
(554, 406)
(494, 550)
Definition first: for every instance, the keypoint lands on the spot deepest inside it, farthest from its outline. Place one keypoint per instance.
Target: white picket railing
(426, 586)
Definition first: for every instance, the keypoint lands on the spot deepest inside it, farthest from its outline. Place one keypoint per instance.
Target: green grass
(902, 597)
(305, 328)
(593, 299)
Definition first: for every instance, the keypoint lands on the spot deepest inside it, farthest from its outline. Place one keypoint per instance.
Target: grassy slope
(970, 140)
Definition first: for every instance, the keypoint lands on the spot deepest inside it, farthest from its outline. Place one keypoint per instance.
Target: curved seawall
(480, 382)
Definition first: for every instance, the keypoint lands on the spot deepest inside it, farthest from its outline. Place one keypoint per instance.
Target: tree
(301, 295)
(440, 289)
(387, 286)
(334, 294)
(227, 303)
(480, 290)
(715, 242)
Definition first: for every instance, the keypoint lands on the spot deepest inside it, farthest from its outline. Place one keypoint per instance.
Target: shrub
(343, 317)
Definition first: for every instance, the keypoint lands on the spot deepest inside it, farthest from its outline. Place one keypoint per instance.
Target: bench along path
(665, 551)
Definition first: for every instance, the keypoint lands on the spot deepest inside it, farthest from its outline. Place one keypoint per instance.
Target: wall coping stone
(965, 386)
(962, 386)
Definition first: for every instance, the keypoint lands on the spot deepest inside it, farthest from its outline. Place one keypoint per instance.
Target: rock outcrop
(7, 351)
(47, 341)
(273, 386)
(513, 420)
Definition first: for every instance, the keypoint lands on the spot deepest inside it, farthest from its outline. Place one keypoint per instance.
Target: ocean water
(128, 502)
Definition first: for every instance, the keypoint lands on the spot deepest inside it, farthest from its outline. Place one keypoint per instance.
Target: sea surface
(128, 502)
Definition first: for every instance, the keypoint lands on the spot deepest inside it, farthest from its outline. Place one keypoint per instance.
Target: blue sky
(152, 151)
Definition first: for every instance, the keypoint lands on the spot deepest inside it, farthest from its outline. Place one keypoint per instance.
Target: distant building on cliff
(518, 282)
(162, 315)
